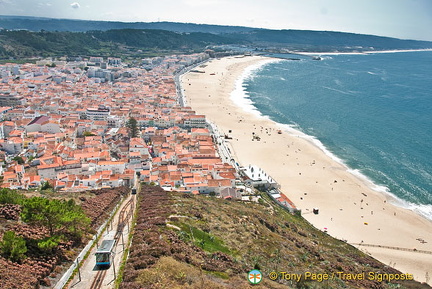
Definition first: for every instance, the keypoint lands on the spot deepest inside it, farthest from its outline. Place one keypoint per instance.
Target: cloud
(75, 5)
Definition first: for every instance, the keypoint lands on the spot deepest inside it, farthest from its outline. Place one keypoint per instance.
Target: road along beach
(349, 208)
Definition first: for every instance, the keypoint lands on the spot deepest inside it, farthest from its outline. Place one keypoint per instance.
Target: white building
(115, 167)
(99, 113)
(258, 177)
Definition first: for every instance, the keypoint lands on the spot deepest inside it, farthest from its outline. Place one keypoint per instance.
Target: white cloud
(75, 5)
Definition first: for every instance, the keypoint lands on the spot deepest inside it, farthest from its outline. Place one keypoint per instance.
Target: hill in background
(59, 37)
(49, 24)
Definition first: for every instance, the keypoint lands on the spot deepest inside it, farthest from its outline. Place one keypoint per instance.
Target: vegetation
(116, 43)
(187, 241)
(130, 40)
(58, 216)
(37, 24)
(45, 186)
(19, 160)
(38, 234)
(13, 247)
(98, 208)
(88, 133)
(132, 126)
(11, 197)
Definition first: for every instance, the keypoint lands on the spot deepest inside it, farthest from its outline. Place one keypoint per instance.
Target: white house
(115, 167)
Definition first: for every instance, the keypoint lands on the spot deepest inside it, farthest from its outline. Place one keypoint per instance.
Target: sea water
(373, 112)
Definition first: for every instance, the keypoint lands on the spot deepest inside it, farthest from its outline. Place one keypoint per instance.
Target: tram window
(104, 257)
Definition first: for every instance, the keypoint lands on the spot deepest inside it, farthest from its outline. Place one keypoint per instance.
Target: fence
(392, 248)
(65, 278)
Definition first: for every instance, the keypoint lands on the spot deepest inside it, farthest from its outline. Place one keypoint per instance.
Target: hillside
(325, 40)
(41, 233)
(59, 37)
(115, 43)
(49, 24)
(187, 241)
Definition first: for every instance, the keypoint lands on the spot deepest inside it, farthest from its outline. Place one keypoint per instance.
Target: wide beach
(348, 206)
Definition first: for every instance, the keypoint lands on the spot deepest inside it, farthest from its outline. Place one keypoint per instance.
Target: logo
(255, 276)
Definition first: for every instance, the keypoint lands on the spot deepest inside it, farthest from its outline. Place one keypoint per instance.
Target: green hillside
(26, 37)
(187, 241)
(18, 44)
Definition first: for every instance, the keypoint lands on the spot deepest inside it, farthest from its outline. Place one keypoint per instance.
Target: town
(65, 123)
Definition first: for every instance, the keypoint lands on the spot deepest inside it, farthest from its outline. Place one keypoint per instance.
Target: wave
(337, 90)
(398, 51)
(365, 52)
(240, 96)
(420, 209)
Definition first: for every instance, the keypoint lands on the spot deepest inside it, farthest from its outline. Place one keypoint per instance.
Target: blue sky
(407, 19)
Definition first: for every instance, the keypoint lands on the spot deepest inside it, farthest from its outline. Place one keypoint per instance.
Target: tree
(88, 133)
(48, 244)
(45, 186)
(13, 247)
(19, 160)
(58, 216)
(8, 196)
(131, 124)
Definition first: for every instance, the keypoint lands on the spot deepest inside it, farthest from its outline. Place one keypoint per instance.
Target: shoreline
(239, 97)
(364, 52)
(316, 180)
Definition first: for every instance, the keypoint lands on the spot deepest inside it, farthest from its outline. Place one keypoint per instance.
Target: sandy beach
(348, 206)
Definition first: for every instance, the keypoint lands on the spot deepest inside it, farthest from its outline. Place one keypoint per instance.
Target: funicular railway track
(123, 217)
(98, 280)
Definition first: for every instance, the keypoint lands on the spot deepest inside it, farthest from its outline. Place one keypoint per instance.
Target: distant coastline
(364, 52)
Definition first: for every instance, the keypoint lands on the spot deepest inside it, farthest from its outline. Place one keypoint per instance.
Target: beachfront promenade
(227, 153)
(219, 138)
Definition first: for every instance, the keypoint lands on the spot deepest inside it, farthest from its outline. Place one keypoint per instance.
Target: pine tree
(13, 247)
(131, 124)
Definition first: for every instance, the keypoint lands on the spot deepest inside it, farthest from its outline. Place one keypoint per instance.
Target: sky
(405, 19)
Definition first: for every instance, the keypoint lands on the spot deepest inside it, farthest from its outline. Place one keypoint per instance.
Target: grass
(202, 239)
(173, 274)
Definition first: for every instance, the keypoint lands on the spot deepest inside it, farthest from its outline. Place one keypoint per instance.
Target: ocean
(372, 112)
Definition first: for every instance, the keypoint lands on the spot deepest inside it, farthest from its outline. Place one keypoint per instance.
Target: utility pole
(79, 273)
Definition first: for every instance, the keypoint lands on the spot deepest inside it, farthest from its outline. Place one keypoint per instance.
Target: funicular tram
(104, 253)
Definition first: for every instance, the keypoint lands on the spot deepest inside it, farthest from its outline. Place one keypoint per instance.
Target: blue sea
(373, 112)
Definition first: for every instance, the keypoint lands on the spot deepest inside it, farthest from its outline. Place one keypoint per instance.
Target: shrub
(13, 247)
